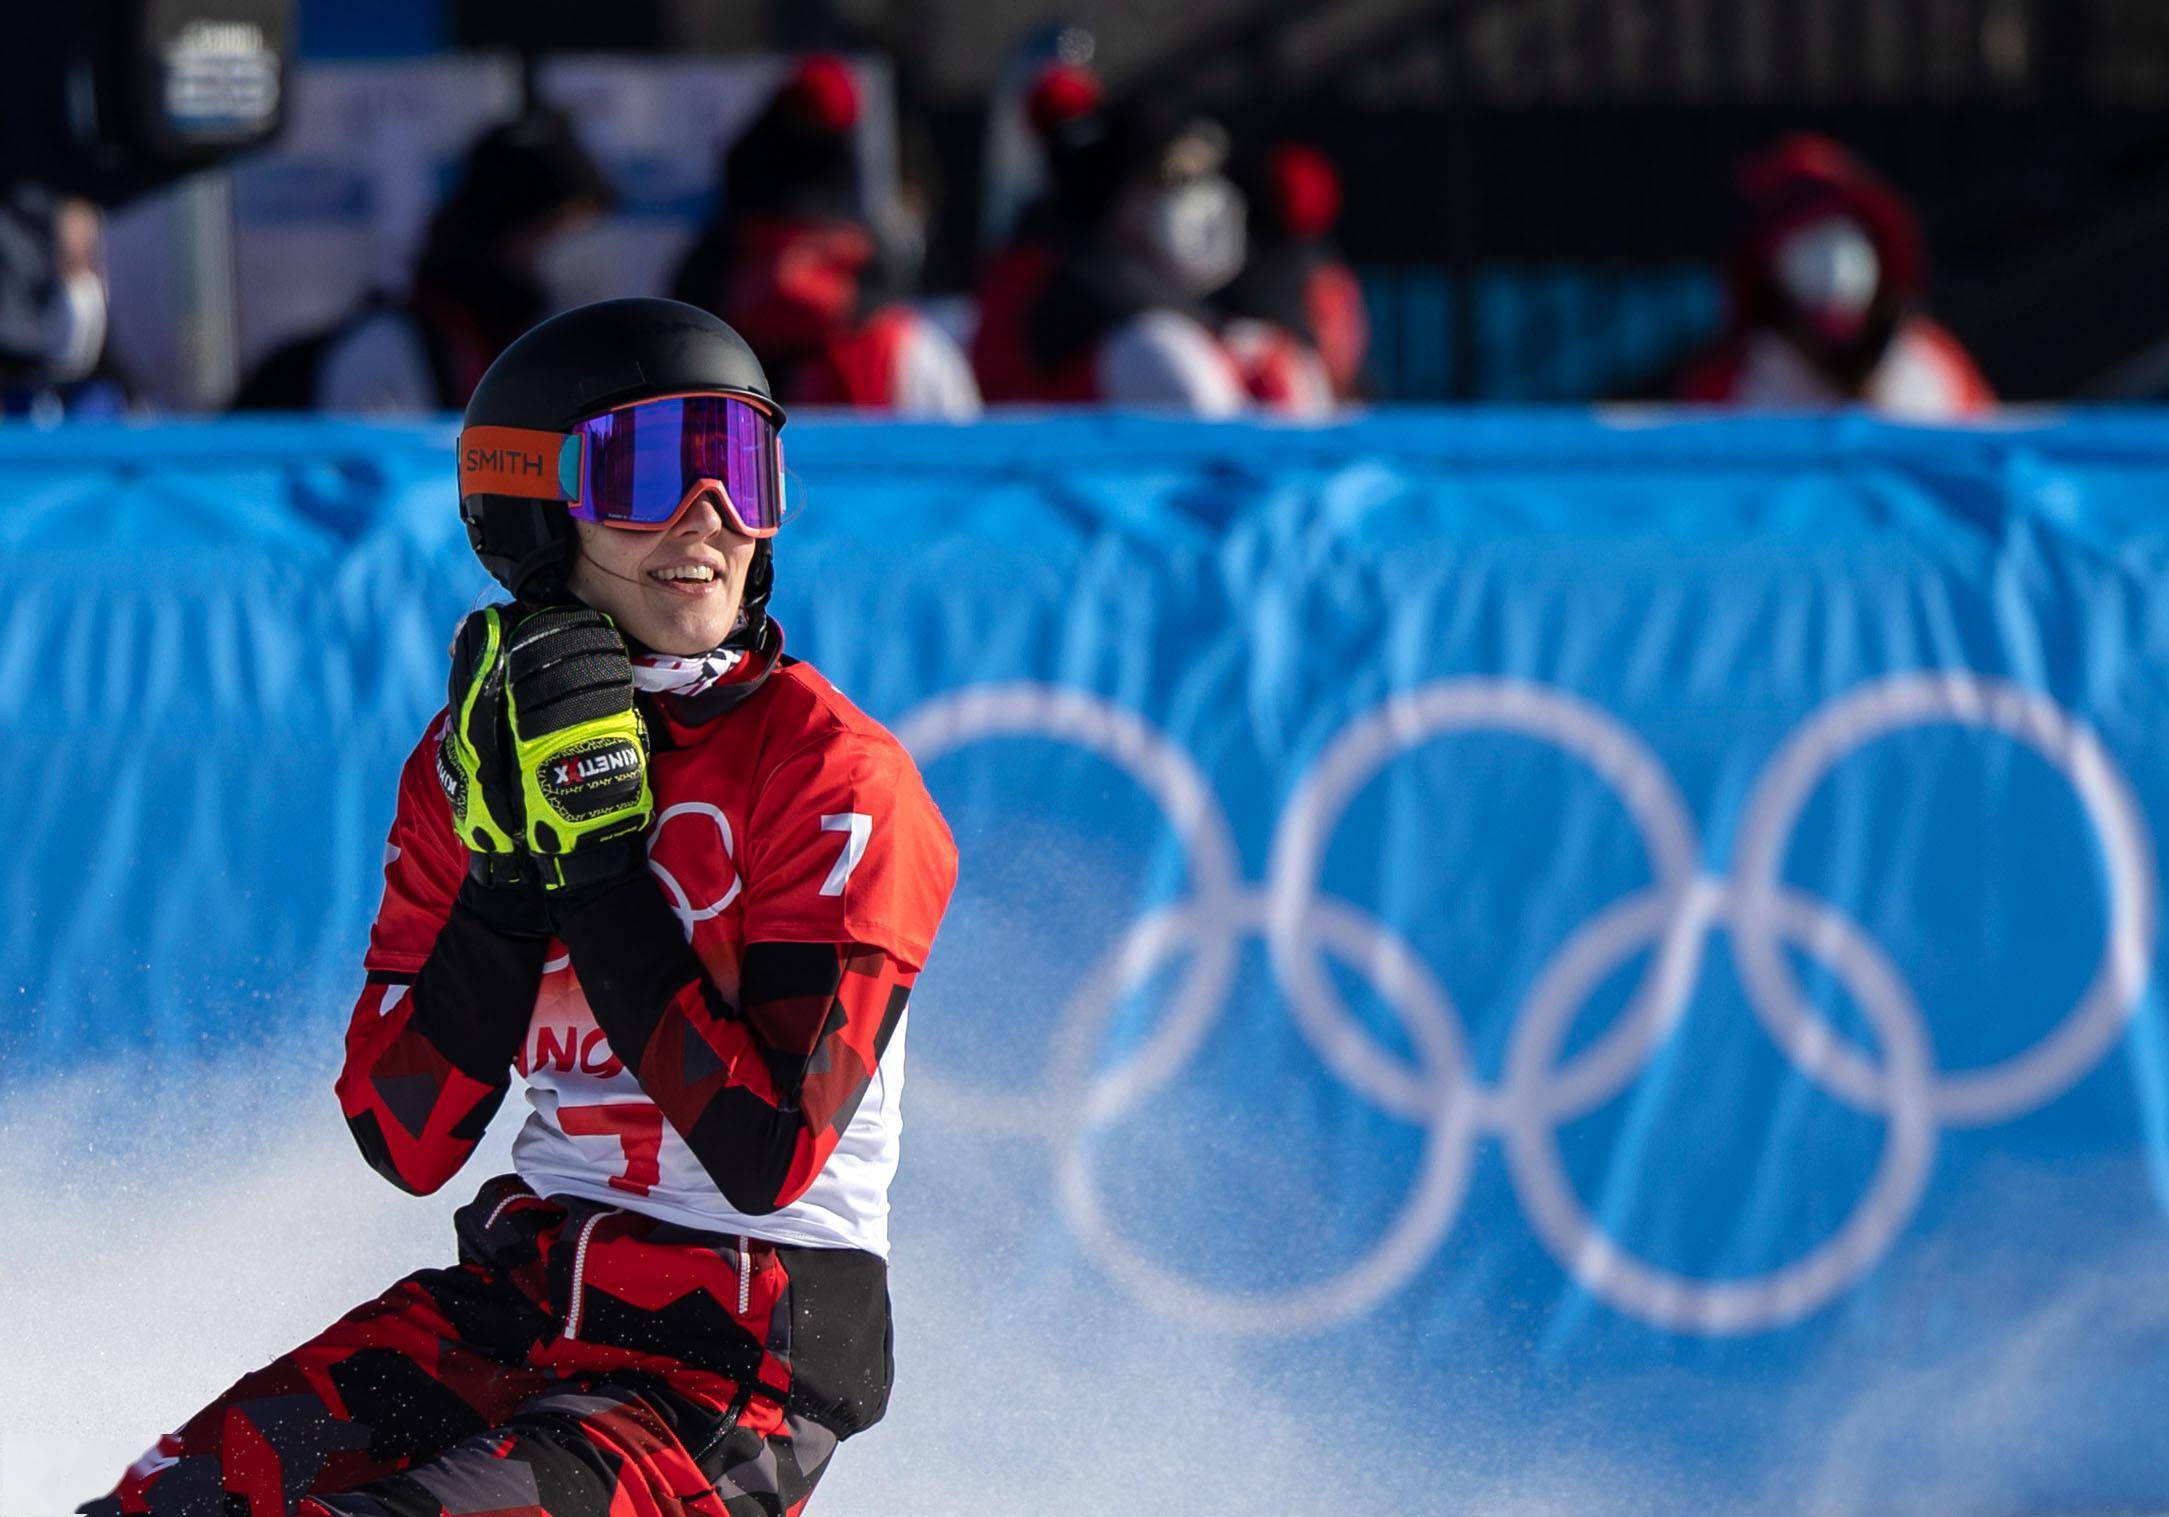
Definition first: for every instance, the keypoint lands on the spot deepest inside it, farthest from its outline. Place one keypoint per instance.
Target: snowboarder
(682, 887)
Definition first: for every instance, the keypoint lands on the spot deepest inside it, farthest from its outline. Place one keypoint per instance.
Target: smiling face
(677, 590)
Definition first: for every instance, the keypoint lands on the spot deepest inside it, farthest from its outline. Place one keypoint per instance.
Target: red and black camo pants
(579, 1362)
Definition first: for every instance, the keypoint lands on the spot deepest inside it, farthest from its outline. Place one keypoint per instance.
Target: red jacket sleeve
(844, 845)
(451, 985)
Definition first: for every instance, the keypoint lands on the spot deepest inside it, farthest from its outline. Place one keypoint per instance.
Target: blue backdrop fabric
(1585, 891)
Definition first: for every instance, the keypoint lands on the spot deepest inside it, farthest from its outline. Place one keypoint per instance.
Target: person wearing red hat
(1295, 317)
(792, 261)
(1102, 296)
(1061, 102)
(1827, 287)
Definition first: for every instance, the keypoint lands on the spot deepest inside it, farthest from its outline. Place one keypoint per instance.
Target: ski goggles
(640, 465)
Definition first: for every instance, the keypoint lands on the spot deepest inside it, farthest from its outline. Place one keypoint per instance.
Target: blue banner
(1631, 919)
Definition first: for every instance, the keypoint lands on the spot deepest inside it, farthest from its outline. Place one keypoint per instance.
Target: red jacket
(697, 1037)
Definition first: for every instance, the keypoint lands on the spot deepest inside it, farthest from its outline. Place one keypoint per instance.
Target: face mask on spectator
(1829, 270)
(75, 323)
(1195, 231)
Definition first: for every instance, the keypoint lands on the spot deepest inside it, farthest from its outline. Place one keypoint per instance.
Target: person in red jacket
(792, 261)
(682, 888)
(1827, 285)
(1295, 317)
(1101, 296)
(1062, 108)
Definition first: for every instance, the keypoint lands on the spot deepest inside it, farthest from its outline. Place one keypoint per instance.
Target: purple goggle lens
(639, 463)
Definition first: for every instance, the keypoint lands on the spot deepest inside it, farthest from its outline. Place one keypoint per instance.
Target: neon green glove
(474, 757)
(579, 747)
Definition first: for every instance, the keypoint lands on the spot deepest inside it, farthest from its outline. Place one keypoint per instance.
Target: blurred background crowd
(931, 207)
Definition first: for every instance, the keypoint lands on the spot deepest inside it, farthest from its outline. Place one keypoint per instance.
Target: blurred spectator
(793, 262)
(1062, 108)
(1102, 294)
(512, 244)
(1296, 319)
(1012, 165)
(1827, 285)
(54, 358)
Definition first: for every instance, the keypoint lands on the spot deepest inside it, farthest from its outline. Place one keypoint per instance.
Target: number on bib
(638, 1127)
(860, 826)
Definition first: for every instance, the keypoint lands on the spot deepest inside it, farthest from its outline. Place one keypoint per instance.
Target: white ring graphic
(1674, 916)
(2023, 1082)
(1469, 705)
(1168, 775)
(1442, 1178)
(680, 905)
(1660, 1296)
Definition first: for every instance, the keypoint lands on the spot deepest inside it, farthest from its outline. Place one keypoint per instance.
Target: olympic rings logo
(681, 905)
(1674, 916)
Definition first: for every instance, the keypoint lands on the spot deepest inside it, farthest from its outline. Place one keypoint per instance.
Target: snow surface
(171, 1235)
(164, 1233)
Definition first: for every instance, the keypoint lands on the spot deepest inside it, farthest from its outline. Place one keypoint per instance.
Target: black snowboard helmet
(574, 366)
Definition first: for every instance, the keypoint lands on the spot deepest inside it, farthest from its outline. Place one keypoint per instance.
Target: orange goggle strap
(520, 462)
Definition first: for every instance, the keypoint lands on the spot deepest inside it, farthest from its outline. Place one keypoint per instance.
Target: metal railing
(1771, 51)
(1532, 185)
